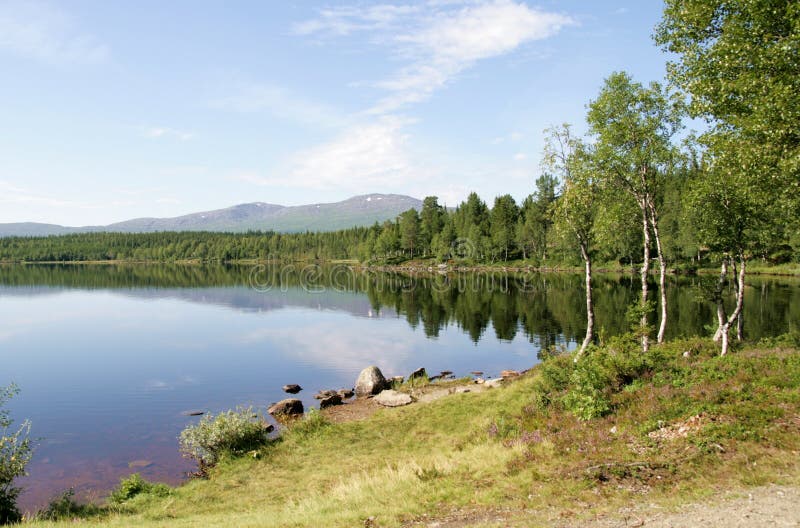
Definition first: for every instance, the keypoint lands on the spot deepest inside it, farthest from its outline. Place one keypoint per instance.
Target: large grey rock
(370, 381)
(287, 408)
(391, 398)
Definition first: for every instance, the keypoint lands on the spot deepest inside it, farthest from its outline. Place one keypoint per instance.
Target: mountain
(356, 211)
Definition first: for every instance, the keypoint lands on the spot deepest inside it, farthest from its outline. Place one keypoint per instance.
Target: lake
(110, 357)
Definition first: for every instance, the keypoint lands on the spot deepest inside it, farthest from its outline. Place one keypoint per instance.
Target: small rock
(292, 388)
(287, 408)
(193, 413)
(321, 395)
(330, 401)
(477, 373)
(613, 430)
(446, 373)
(398, 379)
(268, 427)
(434, 378)
(496, 382)
(419, 373)
(687, 353)
(507, 374)
(392, 398)
(480, 381)
(345, 393)
(370, 381)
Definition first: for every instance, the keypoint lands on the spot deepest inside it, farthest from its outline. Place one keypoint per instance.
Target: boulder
(392, 398)
(398, 379)
(287, 408)
(508, 374)
(419, 373)
(330, 401)
(321, 395)
(292, 388)
(345, 393)
(370, 381)
(446, 373)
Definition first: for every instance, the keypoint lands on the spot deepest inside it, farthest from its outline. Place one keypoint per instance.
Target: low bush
(15, 453)
(134, 486)
(230, 433)
(66, 507)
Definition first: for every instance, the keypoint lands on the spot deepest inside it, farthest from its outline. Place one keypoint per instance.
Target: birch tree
(574, 211)
(633, 127)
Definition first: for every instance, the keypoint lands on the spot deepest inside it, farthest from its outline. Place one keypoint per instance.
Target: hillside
(356, 211)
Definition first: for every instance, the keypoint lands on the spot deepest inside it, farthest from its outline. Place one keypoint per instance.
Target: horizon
(294, 104)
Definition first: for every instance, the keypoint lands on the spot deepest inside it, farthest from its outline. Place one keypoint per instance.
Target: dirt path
(773, 506)
(769, 506)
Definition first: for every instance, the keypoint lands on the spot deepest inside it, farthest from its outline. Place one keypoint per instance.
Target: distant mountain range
(356, 211)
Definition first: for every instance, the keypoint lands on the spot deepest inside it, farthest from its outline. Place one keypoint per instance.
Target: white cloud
(43, 32)
(250, 97)
(439, 40)
(166, 132)
(511, 137)
(520, 156)
(362, 158)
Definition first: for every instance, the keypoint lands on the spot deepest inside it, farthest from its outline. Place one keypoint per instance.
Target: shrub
(232, 433)
(15, 453)
(134, 486)
(66, 507)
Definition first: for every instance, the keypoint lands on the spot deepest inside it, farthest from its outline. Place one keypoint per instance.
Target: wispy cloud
(44, 32)
(434, 42)
(251, 97)
(439, 41)
(167, 132)
(512, 137)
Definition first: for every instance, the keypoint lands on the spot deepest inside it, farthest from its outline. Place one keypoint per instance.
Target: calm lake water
(109, 357)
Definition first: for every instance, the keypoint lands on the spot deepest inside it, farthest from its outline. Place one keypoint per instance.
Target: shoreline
(415, 269)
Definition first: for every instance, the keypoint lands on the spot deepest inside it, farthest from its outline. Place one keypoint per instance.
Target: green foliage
(15, 453)
(65, 507)
(230, 433)
(135, 485)
(311, 425)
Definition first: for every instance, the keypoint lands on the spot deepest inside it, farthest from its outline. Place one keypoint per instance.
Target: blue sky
(115, 110)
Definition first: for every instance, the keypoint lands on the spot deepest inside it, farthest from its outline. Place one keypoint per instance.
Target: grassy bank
(662, 428)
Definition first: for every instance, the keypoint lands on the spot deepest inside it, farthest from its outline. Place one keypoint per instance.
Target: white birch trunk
(723, 273)
(645, 271)
(662, 272)
(739, 305)
(589, 304)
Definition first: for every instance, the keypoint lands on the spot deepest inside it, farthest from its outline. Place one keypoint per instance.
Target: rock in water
(327, 393)
(292, 388)
(419, 373)
(287, 408)
(330, 401)
(508, 374)
(370, 381)
(391, 398)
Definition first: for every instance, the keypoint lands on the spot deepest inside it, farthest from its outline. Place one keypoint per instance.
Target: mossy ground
(514, 453)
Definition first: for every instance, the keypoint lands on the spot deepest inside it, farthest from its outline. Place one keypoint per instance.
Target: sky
(117, 110)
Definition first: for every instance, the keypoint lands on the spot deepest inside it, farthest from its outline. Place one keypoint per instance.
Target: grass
(517, 452)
